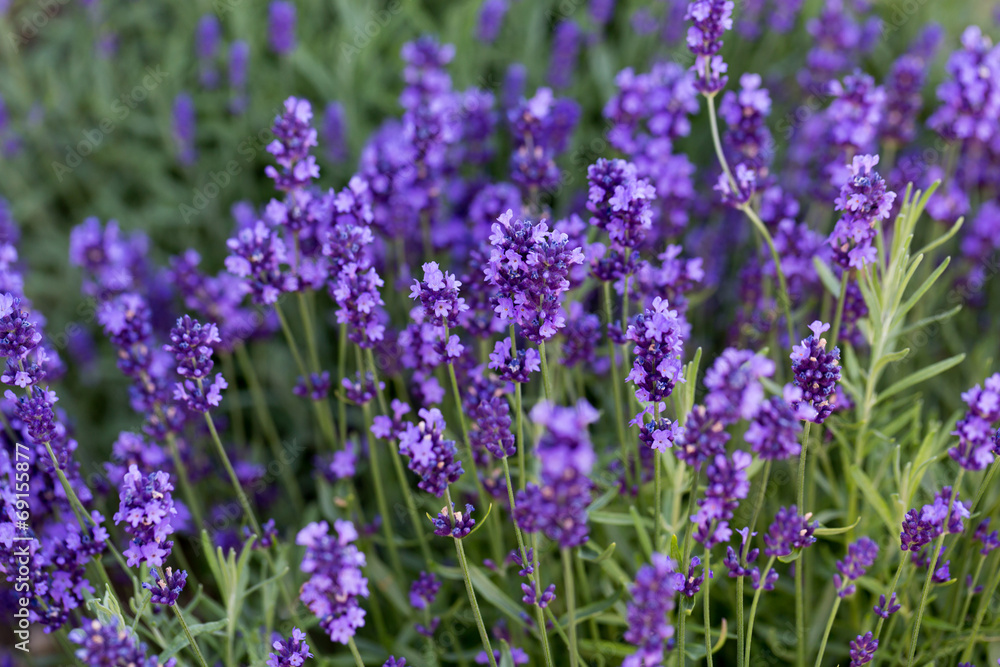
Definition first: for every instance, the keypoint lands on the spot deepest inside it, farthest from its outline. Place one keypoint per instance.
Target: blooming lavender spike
(816, 371)
(863, 649)
(336, 584)
(976, 440)
(659, 347)
(861, 555)
(460, 527)
(184, 129)
(652, 600)
(970, 99)
(565, 50)
(334, 132)
(147, 508)
(620, 201)
(206, 45)
(864, 201)
(112, 645)
(886, 609)
(294, 136)
(710, 19)
(438, 296)
(291, 652)
(774, 433)
(281, 27)
(166, 588)
(789, 531)
(239, 57)
(727, 485)
(491, 15)
(734, 388)
(431, 456)
(856, 112)
(746, 115)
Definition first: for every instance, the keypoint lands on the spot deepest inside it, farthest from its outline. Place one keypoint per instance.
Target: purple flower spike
(816, 371)
(620, 201)
(147, 508)
(166, 588)
(863, 649)
(431, 456)
(291, 652)
(281, 27)
(788, 532)
(459, 528)
(746, 185)
(861, 555)
(734, 388)
(864, 201)
(191, 343)
(710, 20)
(886, 609)
(294, 136)
(774, 433)
(438, 296)
(424, 590)
(977, 442)
(514, 369)
(336, 583)
(659, 347)
(112, 645)
(647, 614)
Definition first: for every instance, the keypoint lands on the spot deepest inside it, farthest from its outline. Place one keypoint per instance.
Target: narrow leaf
(923, 374)
(873, 497)
(825, 532)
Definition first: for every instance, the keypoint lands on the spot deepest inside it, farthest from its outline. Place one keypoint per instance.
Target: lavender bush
(694, 362)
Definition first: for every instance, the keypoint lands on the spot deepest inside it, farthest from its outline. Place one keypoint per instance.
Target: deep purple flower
(438, 296)
(540, 128)
(816, 372)
(191, 344)
(864, 201)
(336, 582)
(291, 652)
(491, 15)
(359, 302)
(789, 531)
(166, 587)
(239, 56)
(206, 43)
(458, 528)
(659, 347)
(294, 136)
(565, 49)
(970, 98)
(921, 527)
(334, 132)
(652, 600)
(513, 85)
(856, 112)
(990, 541)
(488, 415)
(702, 437)
(199, 397)
(361, 390)
(431, 456)
(838, 42)
(745, 185)
(18, 336)
(734, 388)
(528, 267)
(746, 115)
(710, 19)
(281, 26)
(620, 201)
(863, 649)
(774, 432)
(727, 485)
(147, 508)
(184, 128)
(558, 505)
(393, 661)
(601, 11)
(112, 645)
(975, 432)
(861, 555)
(316, 388)
(532, 598)
(886, 609)
(903, 98)
(424, 590)
(258, 255)
(35, 410)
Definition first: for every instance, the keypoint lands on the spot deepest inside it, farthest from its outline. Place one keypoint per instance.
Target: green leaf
(792, 557)
(588, 553)
(872, 495)
(926, 285)
(603, 500)
(923, 322)
(593, 609)
(829, 280)
(610, 518)
(641, 532)
(492, 594)
(481, 522)
(826, 532)
(181, 641)
(919, 376)
(889, 359)
(675, 549)
(382, 578)
(943, 238)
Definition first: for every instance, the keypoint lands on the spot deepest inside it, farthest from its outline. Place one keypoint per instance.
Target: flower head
(861, 555)
(864, 201)
(166, 587)
(291, 652)
(659, 346)
(336, 583)
(431, 456)
(438, 296)
(111, 644)
(652, 599)
(789, 531)
(816, 371)
(147, 509)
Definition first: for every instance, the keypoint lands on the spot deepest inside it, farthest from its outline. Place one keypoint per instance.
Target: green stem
(753, 608)
(800, 605)
(187, 632)
(743, 641)
(546, 376)
(776, 258)
(397, 464)
(574, 658)
(341, 366)
(354, 651)
(263, 413)
(323, 418)
(984, 605)
(182, 475)
(518, 408)
(383, 506)
(972, 591)
(706, 585)
(985, 484)
(460, 550)
(615, 390)
(838, 315)
(826, 633)
(686, 561)
(539, 613)
(240, 494)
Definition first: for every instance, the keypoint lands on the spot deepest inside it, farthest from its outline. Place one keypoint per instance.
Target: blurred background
(156, 114)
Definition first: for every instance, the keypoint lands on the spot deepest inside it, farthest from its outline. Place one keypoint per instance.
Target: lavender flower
(514, 368)
(336, 583)
(865, 202)
(356, 292)
(863, 649)
(438, 296)
(459, 527)
(658, 348)
(774, 432)
(147, 508)
(239, 56)
(620, 201)
(861, 555)
(789, 531)
(431, 456)
(558, 505)
(565, 50)
(886, 609)
(745, 185)
(652, 599)
(921, 527)
(727, 485)
(166, 588)
(816, 372)
(334, 135)
(424, 590)
(184, 128)
(970, 99)
(258, 254)
(291, 652)
(710, 19)
(489, 419)
(734, 388)
(206, 44)
(746, 114)
(975, 429)
(528, 267)
(281, 27)
(856, 112)
(294, 136)
(111, 645)
(491, 15)
(191, 344)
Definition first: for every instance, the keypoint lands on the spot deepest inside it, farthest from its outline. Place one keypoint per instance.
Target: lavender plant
(606, 361)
